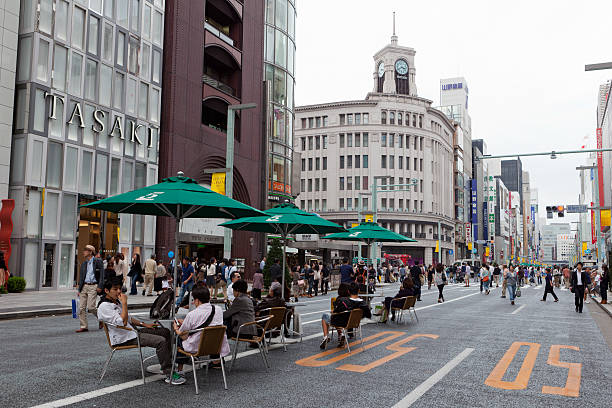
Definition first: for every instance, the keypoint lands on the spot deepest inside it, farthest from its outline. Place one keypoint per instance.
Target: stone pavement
(607, 307)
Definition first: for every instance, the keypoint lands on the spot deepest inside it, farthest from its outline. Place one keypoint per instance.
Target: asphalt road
(466, 352)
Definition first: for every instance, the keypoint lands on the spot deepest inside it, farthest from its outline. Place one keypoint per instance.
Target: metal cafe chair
(258, 339)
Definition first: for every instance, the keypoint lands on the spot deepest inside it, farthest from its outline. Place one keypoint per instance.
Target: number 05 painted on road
(572, 385)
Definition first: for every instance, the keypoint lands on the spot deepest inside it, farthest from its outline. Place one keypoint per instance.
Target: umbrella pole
(284, 266)
(175, 275)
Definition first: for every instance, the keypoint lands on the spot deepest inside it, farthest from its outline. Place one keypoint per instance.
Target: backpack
(161, 308)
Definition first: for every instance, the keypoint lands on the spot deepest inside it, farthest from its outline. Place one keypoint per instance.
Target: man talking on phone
(113, 309)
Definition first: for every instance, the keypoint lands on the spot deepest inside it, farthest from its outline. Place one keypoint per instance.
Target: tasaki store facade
(86, 126)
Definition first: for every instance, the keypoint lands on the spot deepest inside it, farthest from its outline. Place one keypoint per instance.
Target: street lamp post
(229, 164)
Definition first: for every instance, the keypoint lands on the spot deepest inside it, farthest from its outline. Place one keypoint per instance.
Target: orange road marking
(522, 378)
(572, 385)
(314, 361)
(397, 347)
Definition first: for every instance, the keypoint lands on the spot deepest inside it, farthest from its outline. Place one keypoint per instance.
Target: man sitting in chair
(204, 315)
(348, 299)
(114, 310)
(240, 312)
(273, 299)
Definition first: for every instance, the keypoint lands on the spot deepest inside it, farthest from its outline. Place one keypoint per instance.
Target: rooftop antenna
(394, 37)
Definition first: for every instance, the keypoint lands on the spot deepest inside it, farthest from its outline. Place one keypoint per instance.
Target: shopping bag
(75, 307)
(518, 292)
(297, 322)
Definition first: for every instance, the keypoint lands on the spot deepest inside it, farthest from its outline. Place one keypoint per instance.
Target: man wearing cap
(91, 282)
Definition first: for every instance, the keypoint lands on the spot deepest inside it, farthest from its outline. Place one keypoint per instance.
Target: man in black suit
(415, 273)
(276, 272)
(579, 280)
(91, 284)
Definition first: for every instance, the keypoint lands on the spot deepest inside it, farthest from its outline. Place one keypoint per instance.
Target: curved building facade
(279, 61)
(395, 136)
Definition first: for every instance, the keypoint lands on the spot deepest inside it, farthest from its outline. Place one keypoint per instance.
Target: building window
(310, 164)
(156, 77)
(391, 139)
(324, 205)
(118, 87)
(145, 71)
(317, 184)
(76, 68)
(391, 162)
(365, 161)
(407, 141)
(383, 117)
(357, 161)
(341, 203)
(135, 15)
(421, 165)
(407, 121)
(317, 142)
(122, 12)
(349, 183)
(61, 20)
(303, 164)
(400, 120)
(309, 205)
(131, 96)
(324, 138)
(407, 163)
(121, 48)
(318, 163)
(421, 126)
(414, 119)
(310, 143)
(309, 185)
(92, 40)
(318, 121)
(324, 121)
(383, 140)
(349, 162)
(303, 123)
(303, 139)
(107, 43)
(133, 53)
(349, 203)
(42, 66)
(143, 101)
(86, 172)
(91, 79)
(341, 183)
(303, 204)
(349, 119)
(341, 140)
(392, 118)
(357, 140)
(391, 203)
(400, 141)
(416, 164)
(310, 122)
(366, 118)
(400, 162)
(341, 162)
(303, 185)
(358, 118)
(383, 203)
(78, 28)
(357, 182)
(416, 143)
(54, 165)
(365, 140)
(157, 28)
(349, 140)
(324, 184)
(317, 205)
(325, 163)
(364, 203)
(383, 161)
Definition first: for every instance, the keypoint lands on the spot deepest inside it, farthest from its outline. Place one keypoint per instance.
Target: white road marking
(418, 392)
(518, 310)
(448, 301)
(135, 383)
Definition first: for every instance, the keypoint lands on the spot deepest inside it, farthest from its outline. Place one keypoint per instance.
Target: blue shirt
(345, 273)
(90, 277)
(187, 271)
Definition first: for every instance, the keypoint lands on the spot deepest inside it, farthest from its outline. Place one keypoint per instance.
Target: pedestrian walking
(587, 287)
(465, 269)
(440, 279)
(603, 284)
(539, 276)
(150, 268)
(160, 273)
(316, 277)
(557, 277)
(211, 272)
(430, 276)
(578, 282)
(511, 275)
(258, 281)
(91, 284)
(485, 278)
(187, 279)
(504, 281)
(549, 286)
(325, 279)
(135, 273)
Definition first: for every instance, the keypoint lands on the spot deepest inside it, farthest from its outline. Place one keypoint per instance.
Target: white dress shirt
(111, 313)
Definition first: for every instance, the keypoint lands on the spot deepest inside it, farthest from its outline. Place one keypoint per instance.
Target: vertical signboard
(593, 233)
(600, 175)
(474, 213)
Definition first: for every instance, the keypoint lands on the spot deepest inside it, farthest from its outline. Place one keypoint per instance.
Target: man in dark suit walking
(91, 284)
(579, 280)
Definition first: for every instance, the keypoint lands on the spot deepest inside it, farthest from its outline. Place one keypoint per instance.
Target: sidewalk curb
(25, 314)
(602, 307)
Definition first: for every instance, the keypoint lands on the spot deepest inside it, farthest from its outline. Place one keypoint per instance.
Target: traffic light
(549, 213)
(560, 211)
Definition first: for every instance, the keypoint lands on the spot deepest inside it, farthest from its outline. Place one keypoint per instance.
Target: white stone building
(392, 133)
(565, 246)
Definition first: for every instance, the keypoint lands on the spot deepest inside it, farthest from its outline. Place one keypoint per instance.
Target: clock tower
(394, 70)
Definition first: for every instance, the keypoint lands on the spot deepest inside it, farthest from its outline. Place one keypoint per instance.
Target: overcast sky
(523, 61)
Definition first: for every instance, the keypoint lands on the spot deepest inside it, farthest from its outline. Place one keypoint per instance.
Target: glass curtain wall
(279, 58)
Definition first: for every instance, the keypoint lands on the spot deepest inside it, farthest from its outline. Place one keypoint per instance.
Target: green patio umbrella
(177, 197)
(369, 233)
(285, 219)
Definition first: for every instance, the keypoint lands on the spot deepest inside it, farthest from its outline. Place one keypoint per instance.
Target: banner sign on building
(593, 233)
(533, 215)
(468, 232)
(600, 169)
(218, 183)
(369, 218)
(605, 218)
(474, 186)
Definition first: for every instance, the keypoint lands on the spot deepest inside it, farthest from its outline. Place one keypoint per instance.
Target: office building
(549, 240)
(88, 100)
(393, 135)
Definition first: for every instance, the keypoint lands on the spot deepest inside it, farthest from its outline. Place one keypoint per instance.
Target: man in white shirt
(262, 264)
(468, 274)
(199, 318)
(114, 310)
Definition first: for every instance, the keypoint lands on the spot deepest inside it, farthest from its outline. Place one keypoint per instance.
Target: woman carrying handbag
(440, 280)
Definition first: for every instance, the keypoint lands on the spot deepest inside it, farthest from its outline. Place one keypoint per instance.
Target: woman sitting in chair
(273, 299)
(407, 289)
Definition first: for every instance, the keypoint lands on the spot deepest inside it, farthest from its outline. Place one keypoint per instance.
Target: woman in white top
(440, 280)
(485, 278)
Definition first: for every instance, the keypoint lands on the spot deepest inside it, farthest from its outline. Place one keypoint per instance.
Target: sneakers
(323, 344)
(177, 379)
(587, 301)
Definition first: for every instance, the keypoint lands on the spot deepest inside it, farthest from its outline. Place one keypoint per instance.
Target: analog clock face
(401, 67)
(381, 69)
